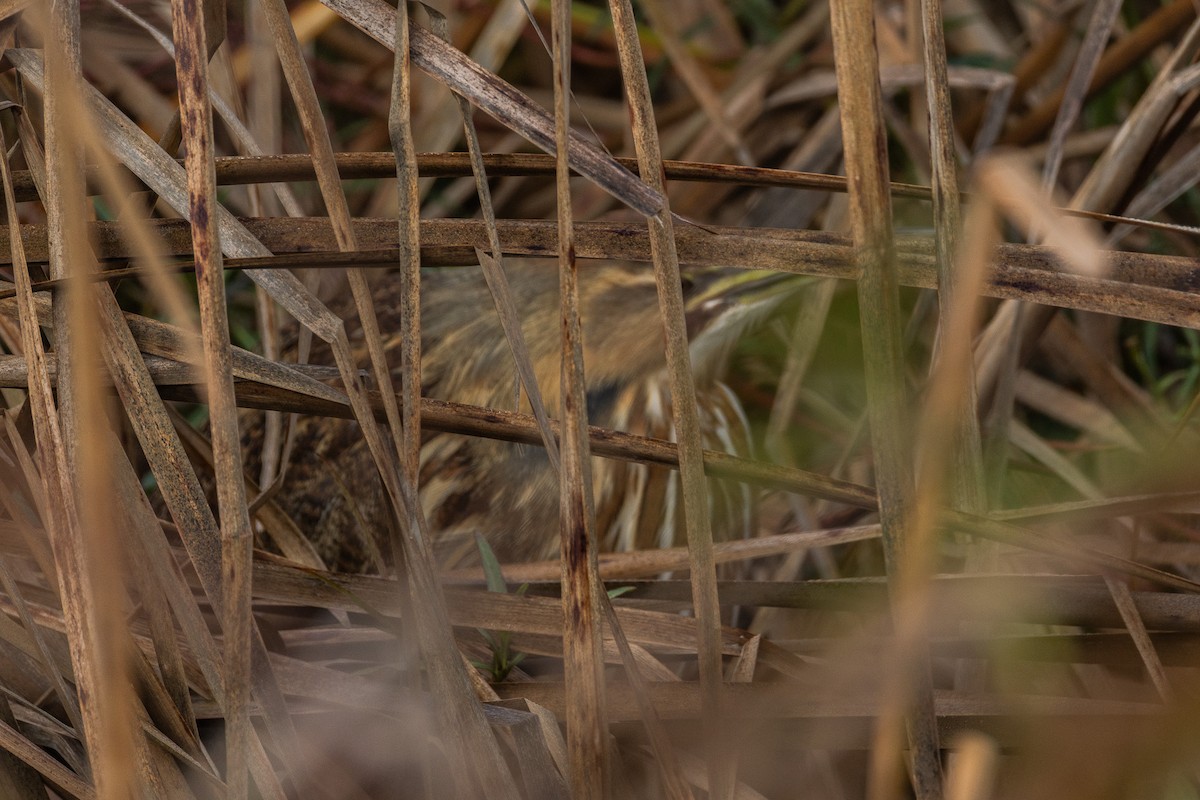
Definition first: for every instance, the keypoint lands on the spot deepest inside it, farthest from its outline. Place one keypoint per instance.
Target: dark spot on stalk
(183, 60)
(1023, 286)
(200, 211)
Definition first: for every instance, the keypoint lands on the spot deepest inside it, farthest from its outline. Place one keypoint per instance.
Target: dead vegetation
(975, 562)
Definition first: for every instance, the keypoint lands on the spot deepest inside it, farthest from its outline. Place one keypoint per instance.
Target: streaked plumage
(508, 492)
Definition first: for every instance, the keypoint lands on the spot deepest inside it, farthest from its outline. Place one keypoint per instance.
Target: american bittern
(508, 492)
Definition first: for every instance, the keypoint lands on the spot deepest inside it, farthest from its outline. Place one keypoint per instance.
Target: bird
(508, 492)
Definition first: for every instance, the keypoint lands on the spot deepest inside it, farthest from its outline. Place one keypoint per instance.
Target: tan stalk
(237, 540)
(966, 480)
(721, 768)
(587, 729)
(860, 99)
(83, 535)
(409, 239)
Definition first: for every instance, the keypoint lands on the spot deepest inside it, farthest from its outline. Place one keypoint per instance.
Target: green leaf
(491, 566)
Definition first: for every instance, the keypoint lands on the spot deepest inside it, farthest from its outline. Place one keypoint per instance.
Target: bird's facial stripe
(600, 400)
(699, 316)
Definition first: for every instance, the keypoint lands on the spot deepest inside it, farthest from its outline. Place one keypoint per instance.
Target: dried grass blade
(253, 169)
(675, 784)
(147, 248)
(1116, 168)
(237, 540)
(53, 770)
(1105, 508)
(465, 725)
(168, 726)
(860, 99)
(312, 120)
(188, 506)
(722, 774)
(441, 128)
(10, 8)
(316, 135)
(583, 660)
(1118, 589)
(966, 487)
(169, 661)
(89, 582)
(1126, 51)
(26, 473)
(1084, 414)
(692, 75)
(1103, 15)
(801, 348)
(65, 694)
(400, 131)
(161, 772)
(539, 774)
(499, 99)
(281, 528)
(743, 668)
(493, 270)
(244, 138)
(1158, 193)
(261, 82)
(19, 638)
(943, 454)
(163, 574)
(313, 123)
(1146, 288)
(543, 615)
(1122, 597)
(649, 563)
(497, 281)
(1084, 556)
(162, 339)
(973, 768)
(18, 778)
